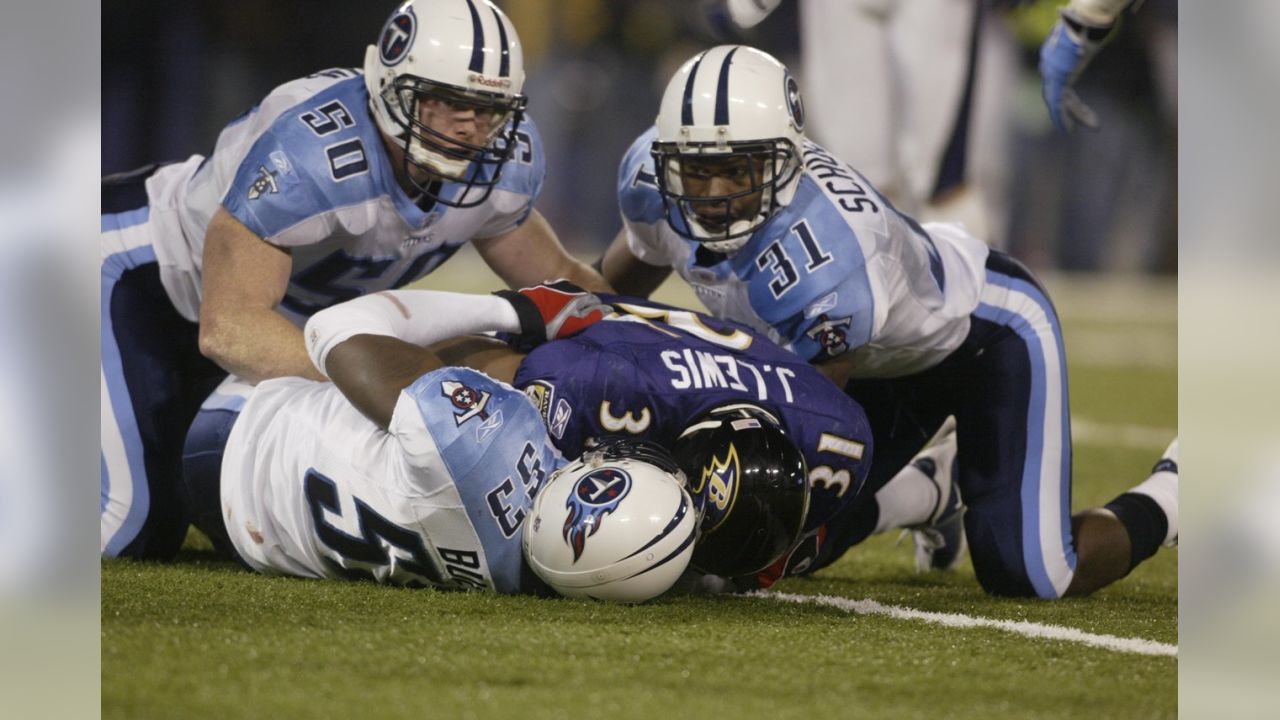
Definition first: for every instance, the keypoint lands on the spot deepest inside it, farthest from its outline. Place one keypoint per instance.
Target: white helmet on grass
(617, 524)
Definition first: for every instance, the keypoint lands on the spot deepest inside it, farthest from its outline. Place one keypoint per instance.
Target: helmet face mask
(740, 108)
(750, 483)
(436, 154)
(444, 85)
(750, 175)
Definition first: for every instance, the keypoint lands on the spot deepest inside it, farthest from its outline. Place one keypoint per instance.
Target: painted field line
(1134, 437)
(1018, 627)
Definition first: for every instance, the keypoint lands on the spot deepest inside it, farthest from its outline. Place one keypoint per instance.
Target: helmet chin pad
(452, 168)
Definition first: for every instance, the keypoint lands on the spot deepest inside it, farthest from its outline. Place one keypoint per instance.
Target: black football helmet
(750, 482)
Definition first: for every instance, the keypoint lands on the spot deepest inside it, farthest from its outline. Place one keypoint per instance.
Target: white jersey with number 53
(310, 487)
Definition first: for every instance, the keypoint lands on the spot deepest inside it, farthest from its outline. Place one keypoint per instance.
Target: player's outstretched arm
(532, 254)
(1083, 27)
(244, 279)
(349, 341)
(629, 274)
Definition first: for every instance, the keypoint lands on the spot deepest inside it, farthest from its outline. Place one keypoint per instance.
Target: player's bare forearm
(838, 369)
(257, 345)
(491, 357)
(630, 275)
(244, 279)
(371, 370)
(532, 254)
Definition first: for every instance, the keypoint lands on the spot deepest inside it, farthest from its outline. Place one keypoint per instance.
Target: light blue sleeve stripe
(122, 406)
(120, 221)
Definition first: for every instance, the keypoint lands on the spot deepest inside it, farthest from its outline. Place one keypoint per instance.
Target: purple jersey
(649, 371)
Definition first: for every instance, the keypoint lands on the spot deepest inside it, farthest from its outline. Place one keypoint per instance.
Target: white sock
(1162, 487)
(908, 499)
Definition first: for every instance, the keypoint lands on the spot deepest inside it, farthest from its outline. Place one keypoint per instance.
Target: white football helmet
(464, 53)
(617, 524)
(731, 101)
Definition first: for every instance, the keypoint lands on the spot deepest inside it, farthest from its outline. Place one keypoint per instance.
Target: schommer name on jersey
(839, 180)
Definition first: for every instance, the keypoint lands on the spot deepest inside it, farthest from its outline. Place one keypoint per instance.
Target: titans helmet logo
(795, 105)
(832, 335)
(397, 36)
(717, 488)
(468, 401)
(597, 494)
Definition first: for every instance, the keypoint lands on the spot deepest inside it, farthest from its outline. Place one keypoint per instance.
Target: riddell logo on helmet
(489, 82)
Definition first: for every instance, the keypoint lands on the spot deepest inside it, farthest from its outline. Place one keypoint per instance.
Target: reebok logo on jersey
(489, 427)
(825, 304)
(263, 184)
(560, 421)
(469, 401)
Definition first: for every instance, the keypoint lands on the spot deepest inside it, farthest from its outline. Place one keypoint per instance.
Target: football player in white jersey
(334, 185)
(407, 472)
(921, 322)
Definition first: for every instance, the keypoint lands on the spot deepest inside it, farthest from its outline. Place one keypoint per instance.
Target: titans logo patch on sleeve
(597, 494)
(831, 334)
(468, 401)
(263, 184)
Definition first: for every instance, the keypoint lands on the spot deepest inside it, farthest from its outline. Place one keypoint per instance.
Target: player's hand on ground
(1066, 52)
(554, 310)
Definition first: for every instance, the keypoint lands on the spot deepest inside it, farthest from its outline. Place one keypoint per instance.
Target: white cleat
(940, 542)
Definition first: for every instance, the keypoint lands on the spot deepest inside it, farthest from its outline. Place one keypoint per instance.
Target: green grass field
(203, 639)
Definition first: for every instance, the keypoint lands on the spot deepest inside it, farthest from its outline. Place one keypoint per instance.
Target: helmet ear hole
(751, 482)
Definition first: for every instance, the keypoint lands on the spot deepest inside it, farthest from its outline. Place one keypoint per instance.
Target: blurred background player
(901, 96)
(406, 472)
(1083, 27)
(920, 321)
(334, 185)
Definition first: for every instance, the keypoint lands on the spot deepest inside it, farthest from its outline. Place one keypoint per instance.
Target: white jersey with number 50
(310, 487)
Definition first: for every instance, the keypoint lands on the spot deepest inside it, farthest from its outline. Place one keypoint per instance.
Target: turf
(202, 638)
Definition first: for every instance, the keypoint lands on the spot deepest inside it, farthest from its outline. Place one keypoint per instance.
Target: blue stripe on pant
(1015, 302)
(1007, 386)
(154, 379)
(117, 532)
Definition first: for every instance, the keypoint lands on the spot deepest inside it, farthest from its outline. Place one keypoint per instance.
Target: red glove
(554, 310)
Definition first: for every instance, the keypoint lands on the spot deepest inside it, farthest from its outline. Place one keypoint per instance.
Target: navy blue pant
(1007, 387)
(202, 473)
(153, 381)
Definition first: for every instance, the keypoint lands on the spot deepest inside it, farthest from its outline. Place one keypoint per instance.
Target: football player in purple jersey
(772, 449)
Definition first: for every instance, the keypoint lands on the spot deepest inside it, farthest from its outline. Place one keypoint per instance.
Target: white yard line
(1018, 627)
(1134, 437)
